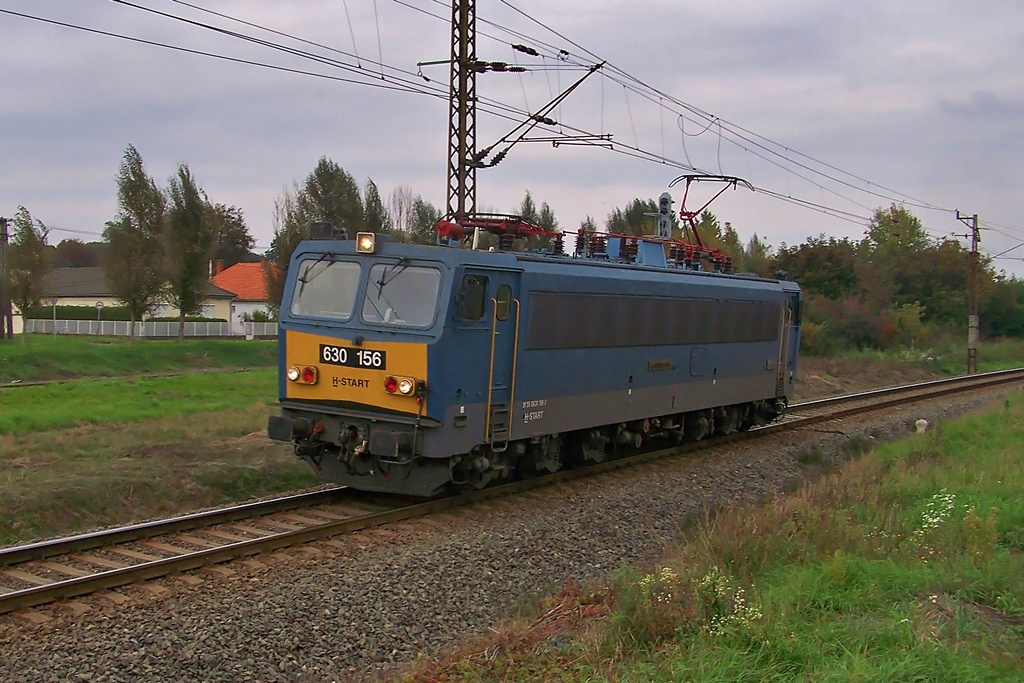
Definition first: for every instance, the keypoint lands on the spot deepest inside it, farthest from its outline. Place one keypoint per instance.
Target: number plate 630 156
(353, 358)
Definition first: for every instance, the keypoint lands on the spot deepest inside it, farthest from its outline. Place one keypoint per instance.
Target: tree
(425, 217)
(757, 258)
(1002, 307)
(328, 194)
(895, 233)
(231, 239)
(710, 230)
(188, 241)
(825, 266)
(71, 253)
(375, 216)
(528, 209)
(27, 262)
(134, 249)
(290, 227)
(894, 240)
(639, 218)
(331, 194)
(400, 205)
(547, 218)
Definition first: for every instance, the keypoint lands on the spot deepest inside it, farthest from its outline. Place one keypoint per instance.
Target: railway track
(58, 569)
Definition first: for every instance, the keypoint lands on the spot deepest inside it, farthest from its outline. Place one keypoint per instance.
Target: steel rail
(134, 532)
(903, 388)
(38, 595)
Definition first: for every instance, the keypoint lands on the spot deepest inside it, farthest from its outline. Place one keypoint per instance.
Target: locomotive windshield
(326, 288)
(402, 295)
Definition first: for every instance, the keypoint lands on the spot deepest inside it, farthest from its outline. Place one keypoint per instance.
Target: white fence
(119, 328)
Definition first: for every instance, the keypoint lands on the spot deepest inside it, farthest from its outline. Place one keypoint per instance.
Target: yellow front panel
(363, 385)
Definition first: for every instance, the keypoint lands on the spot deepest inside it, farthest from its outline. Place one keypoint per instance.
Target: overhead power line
(828, 178)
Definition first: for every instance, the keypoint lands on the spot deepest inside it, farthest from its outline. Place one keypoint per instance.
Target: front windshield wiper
(386, 277)
(389, 275)
(306, 277)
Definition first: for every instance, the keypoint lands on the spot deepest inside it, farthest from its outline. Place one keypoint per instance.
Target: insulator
(597, 244)
(506, 241)
(558, 245)
(525, 49)
(497, 159)
(629, 249)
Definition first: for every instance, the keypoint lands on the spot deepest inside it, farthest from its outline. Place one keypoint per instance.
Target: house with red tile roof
(88, 287)
(246, 282)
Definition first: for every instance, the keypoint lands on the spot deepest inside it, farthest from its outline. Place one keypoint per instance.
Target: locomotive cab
(357, 318)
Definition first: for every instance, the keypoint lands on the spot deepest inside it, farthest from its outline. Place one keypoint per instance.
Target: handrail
(515, 360)
(490, 376)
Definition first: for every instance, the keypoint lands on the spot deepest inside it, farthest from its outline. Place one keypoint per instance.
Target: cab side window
(503, 302)
(472, 297)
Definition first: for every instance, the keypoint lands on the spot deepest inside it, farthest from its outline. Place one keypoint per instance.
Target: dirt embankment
(821, 377)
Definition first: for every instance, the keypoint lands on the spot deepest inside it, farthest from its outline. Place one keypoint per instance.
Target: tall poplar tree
(188, 243)
(375, 218)
(132, 259)
(27, 263)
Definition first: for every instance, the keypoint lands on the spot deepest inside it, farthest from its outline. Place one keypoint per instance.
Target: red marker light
(308, 375)
(390, 385)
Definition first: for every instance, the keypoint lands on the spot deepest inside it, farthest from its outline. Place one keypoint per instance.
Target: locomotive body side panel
(605, 344)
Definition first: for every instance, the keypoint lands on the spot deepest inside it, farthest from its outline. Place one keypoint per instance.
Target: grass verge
(908, 564)
(121, 400)
(48, 358)
(948, 356)
(63, 481)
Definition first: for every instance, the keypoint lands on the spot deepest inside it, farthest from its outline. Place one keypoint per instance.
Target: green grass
(906, 565)
(126, 400)
(62, 481)
(948, 356)
(102, 452)
(48, 358)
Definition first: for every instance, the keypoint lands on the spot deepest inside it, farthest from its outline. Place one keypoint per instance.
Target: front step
(500, 424)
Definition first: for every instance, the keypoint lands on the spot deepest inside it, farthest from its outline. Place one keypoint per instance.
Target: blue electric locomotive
(414, 369)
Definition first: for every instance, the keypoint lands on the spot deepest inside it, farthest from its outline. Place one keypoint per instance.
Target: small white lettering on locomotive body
(350, 382)
(534, 415)
(535, 403)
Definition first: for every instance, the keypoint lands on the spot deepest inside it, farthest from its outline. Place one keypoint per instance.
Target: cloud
(923, 99)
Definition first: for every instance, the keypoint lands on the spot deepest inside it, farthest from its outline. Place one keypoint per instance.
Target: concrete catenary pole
(6, 313)
(973, 323)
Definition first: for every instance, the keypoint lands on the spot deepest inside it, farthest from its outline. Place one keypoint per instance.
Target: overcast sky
(848, 106)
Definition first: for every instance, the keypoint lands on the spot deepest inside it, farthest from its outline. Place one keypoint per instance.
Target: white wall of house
(239, 309)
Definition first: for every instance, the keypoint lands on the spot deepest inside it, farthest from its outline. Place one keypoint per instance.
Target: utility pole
(462, 111)
(6, 315)
(972, 285)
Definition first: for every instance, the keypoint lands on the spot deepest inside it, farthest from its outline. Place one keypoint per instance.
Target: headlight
(365, 242)
(303, 375)
(405, 386)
